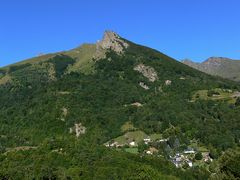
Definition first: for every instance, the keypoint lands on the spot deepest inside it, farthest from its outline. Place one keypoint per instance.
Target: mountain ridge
(109, 40)
(218, 66)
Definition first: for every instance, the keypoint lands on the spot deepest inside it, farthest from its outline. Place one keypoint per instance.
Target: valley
(186, 155)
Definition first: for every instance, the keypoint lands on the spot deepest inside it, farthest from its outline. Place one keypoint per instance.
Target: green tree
(237, 102)
(198, 156)
(142, 147)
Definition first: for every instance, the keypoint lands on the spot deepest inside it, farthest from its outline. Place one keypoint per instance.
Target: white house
(190, 164)
(132, 143)
(147, 140)
(107, 145)
(114, 144)
(162, 140)
(189, 151)
(149, 152)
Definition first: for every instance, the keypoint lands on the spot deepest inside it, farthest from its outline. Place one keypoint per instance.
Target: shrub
(237, 102)
(198, 156)
(210, 93)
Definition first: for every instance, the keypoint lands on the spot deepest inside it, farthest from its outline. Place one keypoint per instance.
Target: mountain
(218, 66)
(116, 110)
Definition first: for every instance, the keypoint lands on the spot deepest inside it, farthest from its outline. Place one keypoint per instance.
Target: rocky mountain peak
(113, 41)
(215, 60)
(187, 61)
(221, 66)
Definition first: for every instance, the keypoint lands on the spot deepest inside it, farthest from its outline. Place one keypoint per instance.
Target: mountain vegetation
(57, 112)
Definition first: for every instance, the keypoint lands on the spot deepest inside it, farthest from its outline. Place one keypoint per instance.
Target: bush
(18, 67)
(237, 102)
(198, 156)
(214, 154)
(210, 93)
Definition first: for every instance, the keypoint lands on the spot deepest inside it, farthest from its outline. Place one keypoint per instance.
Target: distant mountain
(116, 110)
(219, 66)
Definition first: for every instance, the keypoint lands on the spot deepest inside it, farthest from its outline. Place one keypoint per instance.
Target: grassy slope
(224, 95)
(83, 56)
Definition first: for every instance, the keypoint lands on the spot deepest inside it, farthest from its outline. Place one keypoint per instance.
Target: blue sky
(194, 29)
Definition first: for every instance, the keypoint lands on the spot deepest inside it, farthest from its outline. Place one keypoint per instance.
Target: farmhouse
(147, 140)
(132, 143)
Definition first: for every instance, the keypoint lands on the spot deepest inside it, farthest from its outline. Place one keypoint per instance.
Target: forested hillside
(57, 113)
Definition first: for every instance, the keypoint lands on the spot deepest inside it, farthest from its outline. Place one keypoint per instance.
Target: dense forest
(42, 102)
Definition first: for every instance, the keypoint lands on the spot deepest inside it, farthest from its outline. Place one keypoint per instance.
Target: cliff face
(110, 41)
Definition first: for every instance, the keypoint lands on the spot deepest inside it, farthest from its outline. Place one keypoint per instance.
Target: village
(137, 142)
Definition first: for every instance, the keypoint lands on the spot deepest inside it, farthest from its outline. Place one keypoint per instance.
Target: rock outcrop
(137, 104)
(64, 114)
(78, 129)
(110, 41)
(168, 82)
(147, 71)
(144, 86)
